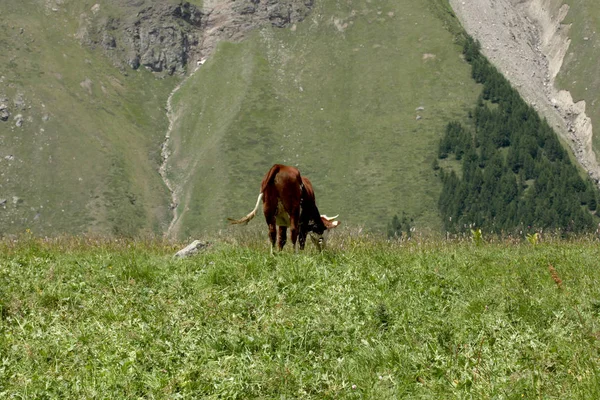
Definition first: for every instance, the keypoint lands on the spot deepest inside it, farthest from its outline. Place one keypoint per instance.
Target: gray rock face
(279, 13)
(159, 37)
(232, 20)
(162, 36)
(165, 38)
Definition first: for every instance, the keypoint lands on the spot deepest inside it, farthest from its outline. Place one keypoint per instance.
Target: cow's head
(319, 229)
(330, 222)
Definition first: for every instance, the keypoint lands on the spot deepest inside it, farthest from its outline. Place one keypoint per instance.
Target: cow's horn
(329, 218)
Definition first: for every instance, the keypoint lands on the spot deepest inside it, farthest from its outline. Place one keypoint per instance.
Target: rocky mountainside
(172, 39)
(166, 38)
(160, 37)
(527, 41)
(108, 125)
(82, 113)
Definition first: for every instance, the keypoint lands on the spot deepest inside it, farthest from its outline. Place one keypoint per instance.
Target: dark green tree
(515, 173)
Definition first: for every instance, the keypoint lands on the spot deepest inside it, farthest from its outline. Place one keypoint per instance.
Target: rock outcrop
(160, 37)
(166, 38)
(527, 42)
(232, 20)
(18, 120)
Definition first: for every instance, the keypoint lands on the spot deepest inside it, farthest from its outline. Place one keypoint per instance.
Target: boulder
(191, 249)
(19, 120)
(4, 113)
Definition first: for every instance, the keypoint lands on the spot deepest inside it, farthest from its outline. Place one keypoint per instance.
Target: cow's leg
(272, 231)
(282, 236)
(294, 230)
(302, 239)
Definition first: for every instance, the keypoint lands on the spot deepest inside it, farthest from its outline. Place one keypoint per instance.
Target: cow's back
(282, 179)
(282, 186)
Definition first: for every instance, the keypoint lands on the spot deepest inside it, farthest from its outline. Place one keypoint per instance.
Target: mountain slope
(357, 96)
(83, 92)
(84, 156)
(580, 72)
(548, 49)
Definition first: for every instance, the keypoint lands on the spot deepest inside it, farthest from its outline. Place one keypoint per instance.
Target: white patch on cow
(282, 218)
(318, 240)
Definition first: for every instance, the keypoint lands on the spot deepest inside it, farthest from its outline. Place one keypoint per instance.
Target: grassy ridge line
(335, 95)
(367, 319)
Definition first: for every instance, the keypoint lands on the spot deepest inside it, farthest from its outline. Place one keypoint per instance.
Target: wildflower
(555, 276)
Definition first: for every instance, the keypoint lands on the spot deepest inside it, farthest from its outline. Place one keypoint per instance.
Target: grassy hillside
(580, 73)
(86, 156)
(365, 319)
(337, 96)
(357, 96)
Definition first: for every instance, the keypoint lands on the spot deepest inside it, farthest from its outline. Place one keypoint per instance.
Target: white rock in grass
(191, 249)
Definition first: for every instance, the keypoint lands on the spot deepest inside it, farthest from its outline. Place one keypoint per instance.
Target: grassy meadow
(367, 318)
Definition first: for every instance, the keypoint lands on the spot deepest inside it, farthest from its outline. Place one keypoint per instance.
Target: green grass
(335, 95)
(84, 318)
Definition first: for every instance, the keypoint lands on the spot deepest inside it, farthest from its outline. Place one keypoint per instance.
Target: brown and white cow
(289, 201)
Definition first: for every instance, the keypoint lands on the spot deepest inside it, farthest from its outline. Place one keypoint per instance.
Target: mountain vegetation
(515, 173)
(356, 94)
(85, 154)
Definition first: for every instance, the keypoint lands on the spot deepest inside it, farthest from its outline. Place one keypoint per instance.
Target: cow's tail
(248, 217)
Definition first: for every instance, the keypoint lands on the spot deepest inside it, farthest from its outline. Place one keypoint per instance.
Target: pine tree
(533, 184)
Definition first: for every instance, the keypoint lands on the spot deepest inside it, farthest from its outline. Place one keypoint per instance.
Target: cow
(289, 201)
